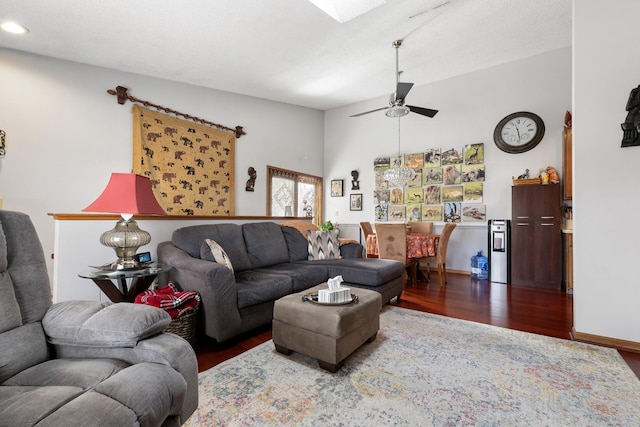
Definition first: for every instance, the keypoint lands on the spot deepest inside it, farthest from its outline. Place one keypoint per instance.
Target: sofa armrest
(95, 324)
(351, 250)
(215, 283)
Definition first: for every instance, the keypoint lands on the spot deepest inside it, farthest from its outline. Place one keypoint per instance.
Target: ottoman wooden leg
(281, 349)
(372, 338)
(331, 367)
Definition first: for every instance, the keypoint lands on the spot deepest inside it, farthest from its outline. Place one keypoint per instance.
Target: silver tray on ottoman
(313, 298)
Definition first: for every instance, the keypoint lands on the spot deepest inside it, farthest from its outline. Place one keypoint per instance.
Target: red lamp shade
(127, 193)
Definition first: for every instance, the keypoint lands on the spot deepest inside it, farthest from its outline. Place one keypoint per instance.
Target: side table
(114, 283)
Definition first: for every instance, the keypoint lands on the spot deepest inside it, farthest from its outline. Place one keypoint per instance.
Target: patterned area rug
(427, 370)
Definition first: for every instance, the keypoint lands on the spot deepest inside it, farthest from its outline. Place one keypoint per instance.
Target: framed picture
(356, 202)
(336, 187)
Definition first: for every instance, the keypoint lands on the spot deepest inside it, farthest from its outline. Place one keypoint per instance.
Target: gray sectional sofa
(269, 261)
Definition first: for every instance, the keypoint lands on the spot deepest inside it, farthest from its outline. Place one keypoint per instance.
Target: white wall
(606, 250)
(65, 134)
(470, 107)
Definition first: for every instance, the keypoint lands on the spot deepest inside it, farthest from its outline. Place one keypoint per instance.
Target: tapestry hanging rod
(121, 93)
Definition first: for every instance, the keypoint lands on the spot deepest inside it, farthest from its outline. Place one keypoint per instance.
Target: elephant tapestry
(191, 166)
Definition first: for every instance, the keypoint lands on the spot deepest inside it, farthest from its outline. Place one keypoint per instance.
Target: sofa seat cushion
(83, 373)
(99, 399)
(91, 409)
(255, 287)
(26, 406)
(157, 391)
(363, 271)
(303, 276)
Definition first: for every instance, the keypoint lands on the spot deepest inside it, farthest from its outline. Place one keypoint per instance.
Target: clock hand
(518, 130)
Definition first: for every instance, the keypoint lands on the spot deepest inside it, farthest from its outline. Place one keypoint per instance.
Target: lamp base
(125, 238)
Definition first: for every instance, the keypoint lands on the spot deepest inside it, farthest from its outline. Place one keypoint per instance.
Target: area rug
(427, 370)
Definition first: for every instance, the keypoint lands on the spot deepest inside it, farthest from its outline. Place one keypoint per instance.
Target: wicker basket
(527, 181)
(185, 325)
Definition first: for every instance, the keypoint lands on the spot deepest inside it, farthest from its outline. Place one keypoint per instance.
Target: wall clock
(519, 132)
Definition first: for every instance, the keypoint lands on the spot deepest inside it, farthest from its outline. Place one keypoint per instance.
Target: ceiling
(289, 50)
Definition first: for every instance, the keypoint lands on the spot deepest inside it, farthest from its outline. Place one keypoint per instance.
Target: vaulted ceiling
(289, 50)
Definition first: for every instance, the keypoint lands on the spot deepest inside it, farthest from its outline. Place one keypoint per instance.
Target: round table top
(150, 270)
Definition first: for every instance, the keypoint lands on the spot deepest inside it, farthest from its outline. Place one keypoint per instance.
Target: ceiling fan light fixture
(397, 111)
(399, 176)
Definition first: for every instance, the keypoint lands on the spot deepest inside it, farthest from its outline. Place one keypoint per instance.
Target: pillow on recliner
(323, 245)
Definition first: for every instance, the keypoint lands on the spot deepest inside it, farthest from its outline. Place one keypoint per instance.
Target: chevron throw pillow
(323, 245)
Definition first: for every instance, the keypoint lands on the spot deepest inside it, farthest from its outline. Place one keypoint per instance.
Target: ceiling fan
(397, 107)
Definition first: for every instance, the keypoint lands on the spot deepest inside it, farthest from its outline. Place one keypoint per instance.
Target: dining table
(419, 245)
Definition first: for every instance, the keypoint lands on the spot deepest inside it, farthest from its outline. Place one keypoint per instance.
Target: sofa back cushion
(229, 236)
(297, 243)
(265, 244)
(25, 295)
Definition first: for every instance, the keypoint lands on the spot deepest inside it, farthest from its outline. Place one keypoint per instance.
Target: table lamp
(127, 194)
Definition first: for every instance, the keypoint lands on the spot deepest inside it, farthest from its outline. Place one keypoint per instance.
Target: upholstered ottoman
(327, 333)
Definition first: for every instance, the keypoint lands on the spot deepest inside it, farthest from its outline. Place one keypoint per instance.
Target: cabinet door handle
(522, 223)
(522, 217)
(546, 217)
(546, 223)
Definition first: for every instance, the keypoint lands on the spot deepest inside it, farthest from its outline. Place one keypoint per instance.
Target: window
(291, 193)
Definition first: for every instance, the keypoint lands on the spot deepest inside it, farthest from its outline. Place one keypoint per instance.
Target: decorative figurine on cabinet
(553, 175)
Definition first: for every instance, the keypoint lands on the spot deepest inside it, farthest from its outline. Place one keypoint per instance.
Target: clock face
(519, 132)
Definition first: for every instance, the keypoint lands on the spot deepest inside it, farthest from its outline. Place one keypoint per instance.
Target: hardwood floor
(525, 309)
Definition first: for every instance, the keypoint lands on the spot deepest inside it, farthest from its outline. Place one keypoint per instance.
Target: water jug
(479, 267)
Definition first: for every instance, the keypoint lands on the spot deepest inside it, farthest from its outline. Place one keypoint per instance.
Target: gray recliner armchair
(82, 363)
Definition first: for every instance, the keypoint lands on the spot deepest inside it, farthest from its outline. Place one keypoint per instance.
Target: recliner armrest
(95, 324)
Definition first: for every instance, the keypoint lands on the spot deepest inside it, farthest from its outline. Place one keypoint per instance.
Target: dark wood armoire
(536, 236)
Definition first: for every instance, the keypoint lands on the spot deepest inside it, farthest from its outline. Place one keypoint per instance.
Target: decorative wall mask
(355, 184)
(631, 125)
(251, 182)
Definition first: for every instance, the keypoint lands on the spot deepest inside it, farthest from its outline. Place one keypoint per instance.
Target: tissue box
(334, 296)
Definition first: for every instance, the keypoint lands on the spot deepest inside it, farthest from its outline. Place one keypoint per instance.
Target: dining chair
(392, 244)
(422, 227)
(440, 259)
(367, 230)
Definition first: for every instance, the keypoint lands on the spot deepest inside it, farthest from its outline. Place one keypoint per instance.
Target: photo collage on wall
(448, 186)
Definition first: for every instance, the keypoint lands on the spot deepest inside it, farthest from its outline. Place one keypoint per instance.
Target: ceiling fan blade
(402, 90)
(424, 111)
(367, 112)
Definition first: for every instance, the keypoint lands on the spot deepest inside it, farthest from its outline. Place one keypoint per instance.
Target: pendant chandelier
(399, 175)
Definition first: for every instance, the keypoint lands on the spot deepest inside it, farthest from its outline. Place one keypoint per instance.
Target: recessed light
(14, 28)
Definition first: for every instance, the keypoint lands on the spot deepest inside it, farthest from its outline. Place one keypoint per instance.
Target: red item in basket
(170, 299)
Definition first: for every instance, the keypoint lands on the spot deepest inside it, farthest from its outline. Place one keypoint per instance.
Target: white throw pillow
(323, 245)
(219, 254)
